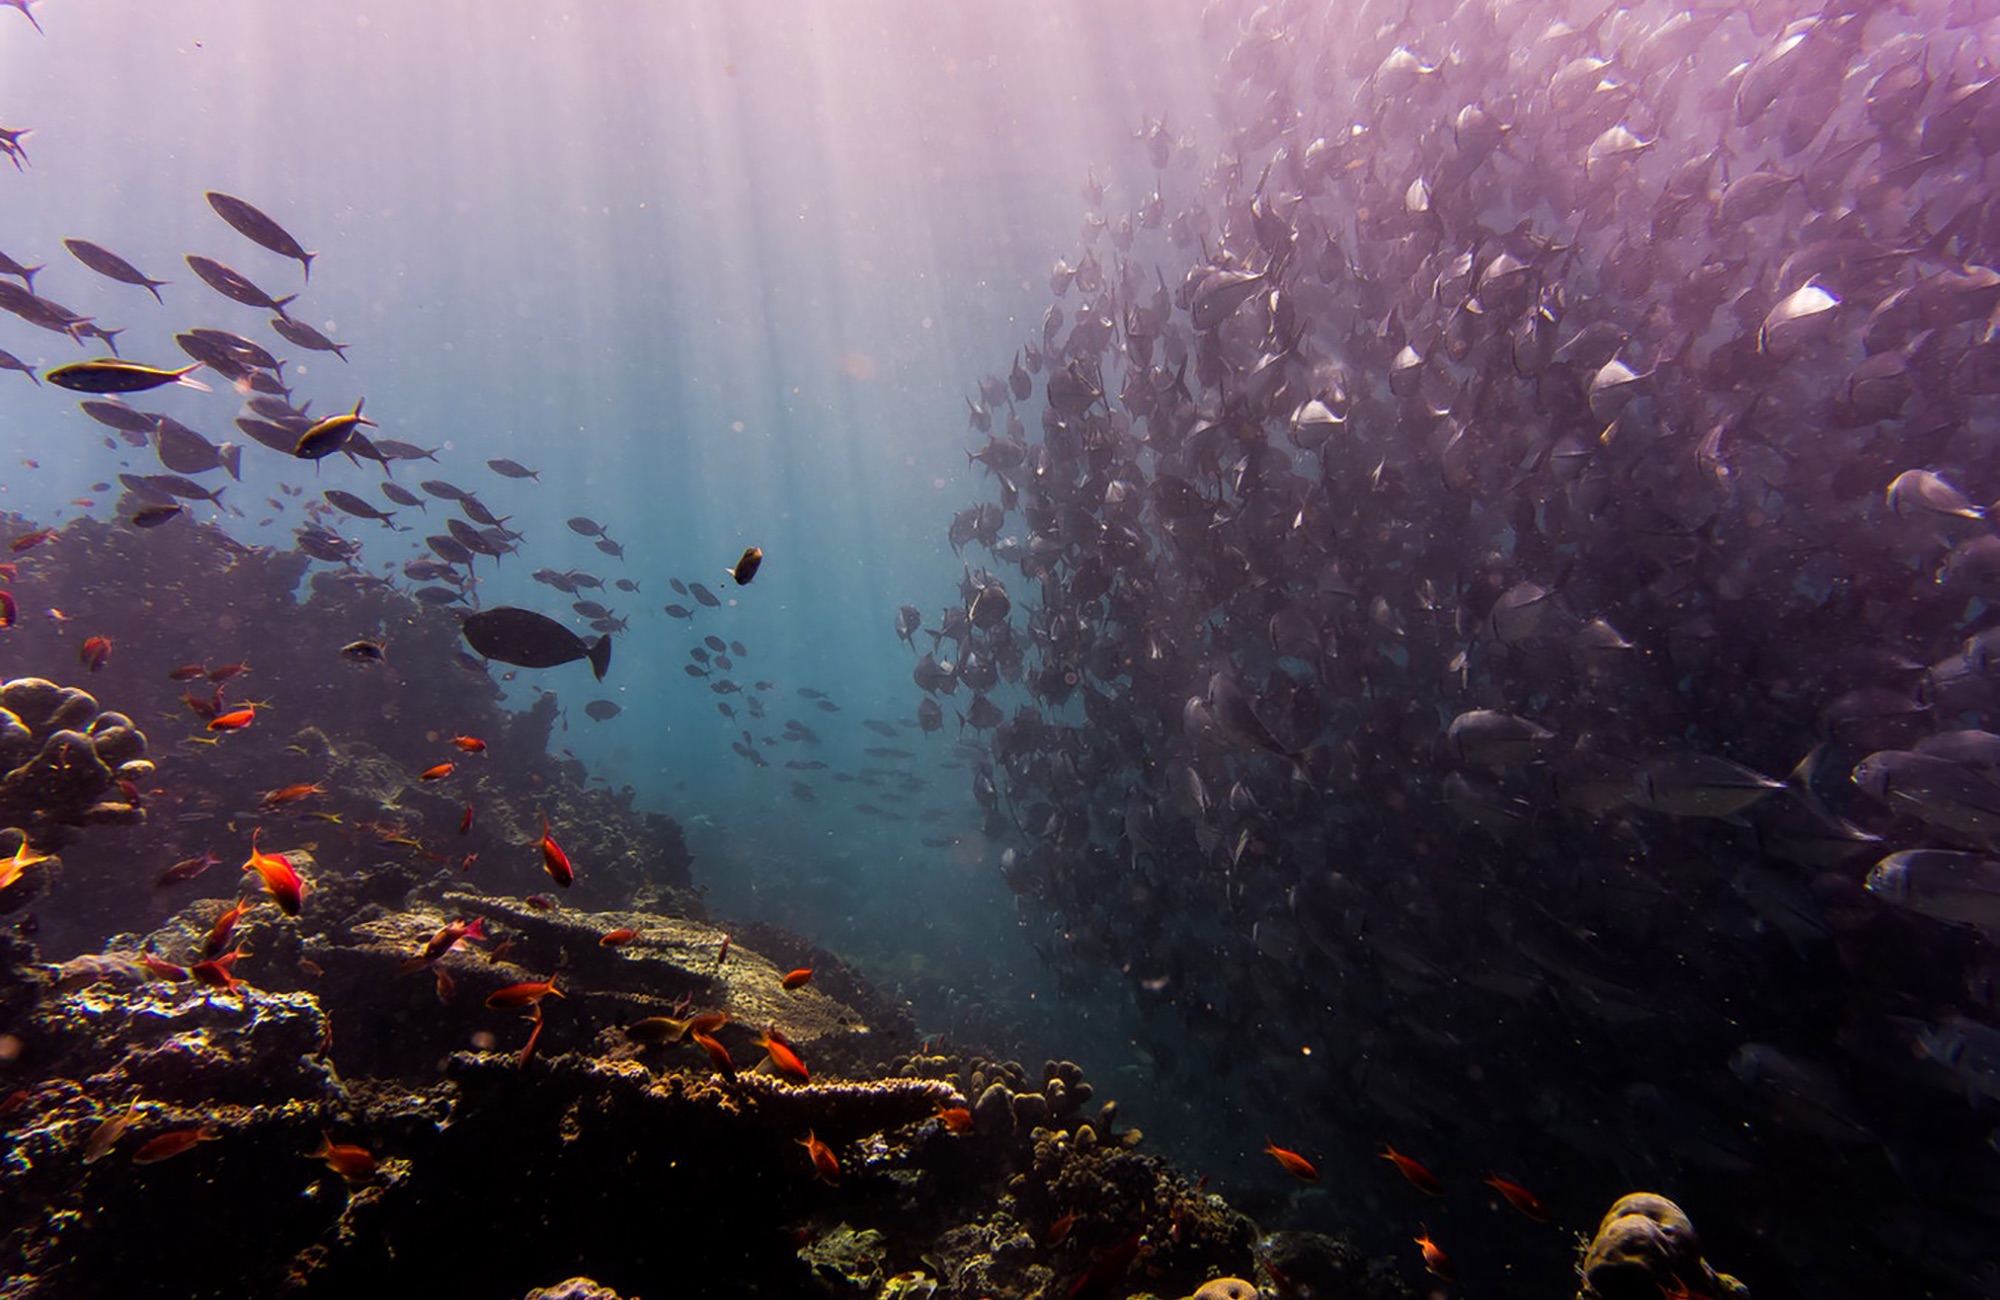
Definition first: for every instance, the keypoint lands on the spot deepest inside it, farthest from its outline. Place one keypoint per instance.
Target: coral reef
(1645, 1248)
(61, 762)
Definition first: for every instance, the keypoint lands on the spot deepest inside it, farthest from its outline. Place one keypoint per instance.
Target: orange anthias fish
(523, 995)
(160, 968)
(825, 1166)
(353, 1163)
(465, 822)
(281, 882)
(94, 653)
(28, 541)
(218, 934)
(1295, 1164)
(798, 977)
(168, 1145)
(534, 1037)
(438, 773)
(956, 1119)
(1435, 1259)
(718, 1055)
(9, 611)
(617, 938)
(187, 672)
(554, 860)
(289, 794)
(234, 720)
(215, 974)
(1519, 1197)
(1420, 1178)
(24, 857)
(450, 936)
(106, 1135)
(470, 744)
(783, 1059)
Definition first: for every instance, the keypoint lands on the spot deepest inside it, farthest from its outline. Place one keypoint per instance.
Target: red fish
(185, 870)
(9, 611)
(783, 1059)
(281, 881)
(162, 969)
(956, 1119)
(718, 1055)
(28, 541)
(465, 822)
(534, 1036)
(1519, 1197)
(218, 934)
(796, 978)
(234, 720)
(1435, 1259)
(554, 860)
(450, 937)
(540, 902)
(1059, 1230)
(207, 710)
(1295, 1164)
(825, 1166)
(1108, 1267)
(94, 653)
(353, 1163)
(438, 773)
(289, 794)
(168, 1145)
(470, 744)
(617, 938)
(188, 672)
(216, 974)
(722, 953)
(1420, 1178)
(228, 671)
(523, 995)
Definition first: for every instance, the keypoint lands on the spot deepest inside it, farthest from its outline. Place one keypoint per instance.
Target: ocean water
(1511, 564)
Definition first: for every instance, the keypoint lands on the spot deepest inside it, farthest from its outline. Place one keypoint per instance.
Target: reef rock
(60, 757)
(1644, 1248)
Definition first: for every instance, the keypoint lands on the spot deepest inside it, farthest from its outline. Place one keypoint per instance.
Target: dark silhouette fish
(529, 640)
(300, 334)
(234, 285)
(254, 226)
(108, 264)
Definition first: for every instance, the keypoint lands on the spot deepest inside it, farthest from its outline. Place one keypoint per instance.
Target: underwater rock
(1645, 1247)
(847, 1261)
(1226, 1288)
(60, 756)
(1313, 1263)
(576, 1288)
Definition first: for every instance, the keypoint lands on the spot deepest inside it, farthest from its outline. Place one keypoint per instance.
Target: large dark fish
(234, 284)
(529, 640)
(260, 229)
(303, 335)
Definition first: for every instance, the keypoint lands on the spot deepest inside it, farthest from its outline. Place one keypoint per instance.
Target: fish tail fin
(600, 656)
(232, 460)
(153, 287)
(306, 265)
(278, 305)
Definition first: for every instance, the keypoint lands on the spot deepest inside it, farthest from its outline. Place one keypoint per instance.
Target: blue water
(723, 273)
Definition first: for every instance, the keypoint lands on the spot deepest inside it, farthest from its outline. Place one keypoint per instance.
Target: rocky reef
(64, 764)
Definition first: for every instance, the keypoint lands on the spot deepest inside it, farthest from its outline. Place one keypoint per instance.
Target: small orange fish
(1060, 1229)
(94, 653)
(28, 541)
(523, 995)
(617, 938)
(798, 977)
(218, 934)
(1420, 1178)
(160, 968)
(188, 672)
(825, 1166)
(470, 744)
(446, 985)
(24, 857)
(465, 822)
(1295, 1164)
(450, 936)
(783, 1059)
(281, 881)
(956, 1119)
(168, 1145)
(540, 902)
(500, 951)
(1435, 1259)
(554, 860)
(438, 773)
(228, 671)
(1519, 1197)
(215, 974)
(534, 1036)
(106, 1135)
(234, 720)
(353, 1163)
(289, 794)
(9, 611)
(718, 1055)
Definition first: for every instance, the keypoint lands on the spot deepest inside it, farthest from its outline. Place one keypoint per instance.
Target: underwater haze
(1002, 649)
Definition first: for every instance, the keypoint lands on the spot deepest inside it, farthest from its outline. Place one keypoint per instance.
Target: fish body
(529, 640)
(102, 375)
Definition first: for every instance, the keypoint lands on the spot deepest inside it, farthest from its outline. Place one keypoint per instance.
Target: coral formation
(62, 761)
(1646, 1247)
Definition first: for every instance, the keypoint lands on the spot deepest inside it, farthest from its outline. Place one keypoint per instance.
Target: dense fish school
(1484, 607)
